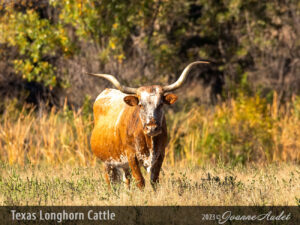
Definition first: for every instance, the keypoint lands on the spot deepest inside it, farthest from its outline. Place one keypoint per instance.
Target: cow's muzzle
(152, 130)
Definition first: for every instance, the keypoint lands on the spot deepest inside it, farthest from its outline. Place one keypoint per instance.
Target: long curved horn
(116, 83)
(182, 77)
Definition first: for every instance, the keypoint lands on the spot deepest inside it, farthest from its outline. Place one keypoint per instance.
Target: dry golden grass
(243, 130)
(209, 185)
(58, 137)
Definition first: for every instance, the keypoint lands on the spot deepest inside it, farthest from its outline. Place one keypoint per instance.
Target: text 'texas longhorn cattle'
(130, 127)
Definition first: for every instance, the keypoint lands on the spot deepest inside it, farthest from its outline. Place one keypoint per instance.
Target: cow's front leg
(136, 171)
(155, 169)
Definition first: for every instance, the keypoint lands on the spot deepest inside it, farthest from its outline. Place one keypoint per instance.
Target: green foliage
(37, 41)
(87, 108)
(40, 41)
(108, 24)
(241, 36)
(241, 131)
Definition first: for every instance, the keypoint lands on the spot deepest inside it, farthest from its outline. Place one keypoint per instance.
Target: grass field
(244, 151)
(208, 185)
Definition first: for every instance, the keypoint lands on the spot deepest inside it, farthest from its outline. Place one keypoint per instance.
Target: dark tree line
(47, 46)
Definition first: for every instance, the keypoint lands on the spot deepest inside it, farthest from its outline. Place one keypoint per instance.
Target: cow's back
(108, 110)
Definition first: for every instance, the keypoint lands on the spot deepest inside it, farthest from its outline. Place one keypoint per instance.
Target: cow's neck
(149, 142)
(152, 144)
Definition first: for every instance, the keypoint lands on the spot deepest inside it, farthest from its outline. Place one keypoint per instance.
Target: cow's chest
(145, 153)
(145, 160)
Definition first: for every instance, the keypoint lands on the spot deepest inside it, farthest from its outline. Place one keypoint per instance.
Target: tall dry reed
(57, 137)
(241, 130)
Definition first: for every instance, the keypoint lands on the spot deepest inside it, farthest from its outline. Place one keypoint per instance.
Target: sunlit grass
(208, 185)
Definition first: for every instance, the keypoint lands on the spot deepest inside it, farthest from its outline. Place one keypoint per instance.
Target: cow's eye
(141, 106)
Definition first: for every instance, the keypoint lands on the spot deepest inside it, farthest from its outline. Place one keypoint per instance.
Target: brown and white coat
(130, 128)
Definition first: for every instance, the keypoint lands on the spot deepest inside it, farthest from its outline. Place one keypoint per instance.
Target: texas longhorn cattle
(130, 128)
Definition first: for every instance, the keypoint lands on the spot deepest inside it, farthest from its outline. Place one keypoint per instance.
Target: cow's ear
(131, 100)
(170, 99)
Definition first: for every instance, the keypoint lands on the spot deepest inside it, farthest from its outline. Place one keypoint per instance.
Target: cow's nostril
(151, 126)
(151, 123)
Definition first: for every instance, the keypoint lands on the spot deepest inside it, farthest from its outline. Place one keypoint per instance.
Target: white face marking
(152, 100)
(151, 111)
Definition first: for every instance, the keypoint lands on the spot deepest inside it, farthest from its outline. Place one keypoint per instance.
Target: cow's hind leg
(126, 177)
(111, 175)
(106, 175)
